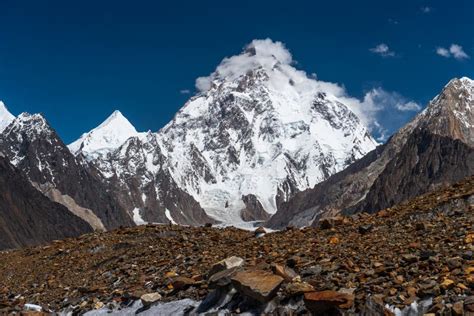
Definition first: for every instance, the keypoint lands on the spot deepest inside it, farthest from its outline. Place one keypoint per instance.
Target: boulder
(257, 284)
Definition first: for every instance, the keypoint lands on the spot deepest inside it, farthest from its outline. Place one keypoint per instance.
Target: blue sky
(77, 61)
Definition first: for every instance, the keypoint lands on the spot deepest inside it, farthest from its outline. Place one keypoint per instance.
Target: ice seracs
(5, 117)
(109, 135)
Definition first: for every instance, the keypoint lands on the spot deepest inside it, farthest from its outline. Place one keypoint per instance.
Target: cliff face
(32, 146)
(29, 218)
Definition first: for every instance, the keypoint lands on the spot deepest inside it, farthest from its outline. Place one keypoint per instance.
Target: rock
(260, 231)
(447, 284)
(293, 261)
(327, 301)
(208, 225)
(222, 278)
(32, 307)
(426, 254)
(410, 258)
(297, 288)
(420, 226)
(150, 298)
(98, 305)
(285, 272)
(364, 229)
(311, 271)
(469, 304)
(330, 222)
(458, 308)
(257, 284)
(182, 283)
(225, 264)
(454, 263)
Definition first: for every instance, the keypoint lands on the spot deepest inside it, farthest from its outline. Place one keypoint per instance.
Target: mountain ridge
(435, 146)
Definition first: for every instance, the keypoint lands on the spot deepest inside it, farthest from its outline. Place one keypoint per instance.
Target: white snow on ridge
(137, 218)
(168, 216)
(5, 117)
(109, 135)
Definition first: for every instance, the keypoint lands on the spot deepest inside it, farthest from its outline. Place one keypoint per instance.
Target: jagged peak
(109, 135)
(5, 116)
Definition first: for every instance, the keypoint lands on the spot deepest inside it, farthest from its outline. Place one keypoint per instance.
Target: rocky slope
(420, 251)
(434, 149)
(258, 131)
(27, 217)
(33, 147)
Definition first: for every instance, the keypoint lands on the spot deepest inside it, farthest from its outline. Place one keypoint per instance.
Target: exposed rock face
(434, 149)
(34, 148)
(253, 210)
(29, 218)
(135, 172)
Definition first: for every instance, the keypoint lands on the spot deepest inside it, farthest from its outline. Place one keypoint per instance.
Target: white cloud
(455, 51)
(185, 91)
(258, 53)
(426, 9)
(374, 102)
(458, 52)
(382, 50)
(443, 52)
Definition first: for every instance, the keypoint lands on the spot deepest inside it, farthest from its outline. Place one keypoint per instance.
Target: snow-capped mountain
(5, 116)
(109, 135)
(436, 148)
(260, 127)
(258, 131)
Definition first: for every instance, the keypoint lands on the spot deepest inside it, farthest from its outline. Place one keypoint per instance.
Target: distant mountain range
(267, 143)
(435, 149)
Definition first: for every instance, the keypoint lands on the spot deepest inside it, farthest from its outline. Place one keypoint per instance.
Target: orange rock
(320, 302)
(333, 240)
(258, 284)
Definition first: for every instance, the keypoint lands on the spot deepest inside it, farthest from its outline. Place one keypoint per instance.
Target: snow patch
(137, 218)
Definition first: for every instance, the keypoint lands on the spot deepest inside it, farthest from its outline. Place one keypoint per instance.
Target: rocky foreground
(420, 251)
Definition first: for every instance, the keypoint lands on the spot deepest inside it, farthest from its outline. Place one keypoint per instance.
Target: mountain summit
(5, 117)
(109, 135)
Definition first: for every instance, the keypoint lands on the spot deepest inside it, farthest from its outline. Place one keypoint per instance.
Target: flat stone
(257, 284)
(225, 264)
(182, 283)
(150, 298)
(324, 301)
(297, 288)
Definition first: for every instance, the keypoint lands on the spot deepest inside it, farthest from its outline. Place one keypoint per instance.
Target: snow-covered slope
(5, 117)
(259, 128)
(109, 135)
